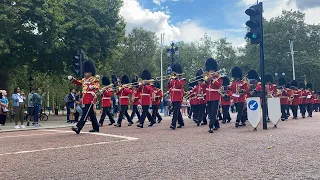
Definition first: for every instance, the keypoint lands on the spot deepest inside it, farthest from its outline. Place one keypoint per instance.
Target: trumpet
(167, 77)
(206, 75)
(106, 87)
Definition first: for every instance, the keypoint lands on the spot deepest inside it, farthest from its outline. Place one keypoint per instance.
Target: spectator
(115, 103)
(37, 100)
(18, 99)
(78, 108)
(70, 105)
(184, 107)
(30, 108)
(4, 103)
(166, 105)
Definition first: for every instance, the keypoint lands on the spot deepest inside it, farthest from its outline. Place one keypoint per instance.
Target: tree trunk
(4, 79)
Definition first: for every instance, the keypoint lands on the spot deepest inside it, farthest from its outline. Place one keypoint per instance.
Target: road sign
(254, 111)
(274, 110)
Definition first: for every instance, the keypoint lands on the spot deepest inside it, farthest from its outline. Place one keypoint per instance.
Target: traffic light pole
(264, 101)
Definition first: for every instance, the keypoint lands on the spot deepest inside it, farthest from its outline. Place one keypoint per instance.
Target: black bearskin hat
(199, 74)
(288, 85)
(88, 66)
(105, 81)
(157, 84)
(302, 85)
(282, 81)
(146, 75)
(294, 83)
(252, 74)
(113, 78)
(236, 72)
(191, 85)
(177, 68)
(134, 82)
(269, 78)
(309, 85)
(211, 64)
(125, 79)
(225, 81)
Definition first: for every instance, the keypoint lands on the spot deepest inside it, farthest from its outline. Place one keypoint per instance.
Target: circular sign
(253, 105)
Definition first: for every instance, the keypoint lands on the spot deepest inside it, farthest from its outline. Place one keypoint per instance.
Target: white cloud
(273, 8)
(159, 22)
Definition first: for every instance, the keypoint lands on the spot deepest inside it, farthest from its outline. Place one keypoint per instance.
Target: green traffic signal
(254, 36)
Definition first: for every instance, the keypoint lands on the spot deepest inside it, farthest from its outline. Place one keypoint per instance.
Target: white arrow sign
(254, 111)
(274, 110)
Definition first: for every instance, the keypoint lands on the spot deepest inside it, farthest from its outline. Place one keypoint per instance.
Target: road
(161, 153)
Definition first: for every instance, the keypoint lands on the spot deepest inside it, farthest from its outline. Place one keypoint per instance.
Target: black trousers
(225, 112)
(76, 116)
(212, 111)
(283, 111)
(106, 111)
(310, 109)
(200, 112)
(219, 114)
(135, 111)
(124, 112)
(189, 110)
(155, 112)
(288, 110)
(177, 116)
(294, 110)
(93, 118)
(302, 109)
(146, 113)
(239, 107)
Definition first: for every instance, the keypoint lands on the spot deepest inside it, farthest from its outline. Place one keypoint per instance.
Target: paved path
(161, 153)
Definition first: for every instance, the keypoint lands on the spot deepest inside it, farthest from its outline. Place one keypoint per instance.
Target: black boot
(172, 127)
(204, 123)
(110, 124)
(130, 123)
(210, 130)
(151, 123)
(237, 124)
(159, 120)
(93, 130)
(117, 125)
(75, 130)
(223, 121)
(140, 125)
(180, 126)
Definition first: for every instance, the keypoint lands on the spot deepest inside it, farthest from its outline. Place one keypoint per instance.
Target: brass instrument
(206, 75)
(105, 88)
(168, 77)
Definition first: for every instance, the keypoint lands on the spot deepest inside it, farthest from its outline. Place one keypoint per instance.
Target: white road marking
(65, 147)
(2, 137)
(124, 138)
(99, 134)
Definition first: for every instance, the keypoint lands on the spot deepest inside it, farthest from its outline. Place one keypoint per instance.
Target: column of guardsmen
(208, 91)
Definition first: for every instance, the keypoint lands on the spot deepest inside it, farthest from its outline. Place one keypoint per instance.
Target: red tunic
(303, 96)
(271, 89)
(212, 89)
(296, 99)
(89, 87)
(239, 85)
(225, 102)
(176, 89)
(106, 98)
(193, 99)
(136, 97)
(146, 92)
(124, 96)
(156, 96)
(310, 99)
(200, 93)
(284, 97)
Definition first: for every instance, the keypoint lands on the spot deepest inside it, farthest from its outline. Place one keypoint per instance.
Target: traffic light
(255, 23)
(76, 61)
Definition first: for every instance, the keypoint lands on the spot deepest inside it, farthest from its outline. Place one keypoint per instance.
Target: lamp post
(170, 53)
(30, 82)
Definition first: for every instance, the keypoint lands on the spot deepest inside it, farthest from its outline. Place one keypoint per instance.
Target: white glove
(70, 78)
(91, 86)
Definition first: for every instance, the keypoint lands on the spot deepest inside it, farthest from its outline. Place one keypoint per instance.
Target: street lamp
(170, 53)
(30, 82)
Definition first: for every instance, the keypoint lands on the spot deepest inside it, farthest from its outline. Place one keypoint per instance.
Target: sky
(189, 20)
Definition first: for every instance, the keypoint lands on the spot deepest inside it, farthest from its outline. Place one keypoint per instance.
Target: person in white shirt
(18, 99)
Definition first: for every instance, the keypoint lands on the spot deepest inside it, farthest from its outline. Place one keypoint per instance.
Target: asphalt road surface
(291, 151)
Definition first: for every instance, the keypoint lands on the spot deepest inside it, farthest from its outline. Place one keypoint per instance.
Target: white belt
(303, 97)
(176, 89)
(200, 97)
(283, 96)
(145, 94)
(124, 97)
(90, 92)
(209, 89)
(106, 98)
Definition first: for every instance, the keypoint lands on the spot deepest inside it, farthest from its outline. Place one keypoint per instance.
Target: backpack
(66, 99)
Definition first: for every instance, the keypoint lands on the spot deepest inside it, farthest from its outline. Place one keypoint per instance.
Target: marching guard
(284, 96)
(156, 100)
(239, 89)
(106, 101)
(90, 86)
(176, 86)
(199, 93)
(123, 92)
(146, 90)
(213, 85)
(294, 98)
(255, 87)
(226, 95)
(135, 99)
(303, 99)
(310, 99)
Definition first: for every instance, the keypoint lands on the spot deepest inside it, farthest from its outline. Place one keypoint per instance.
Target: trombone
(167, 77)
(206, 75)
